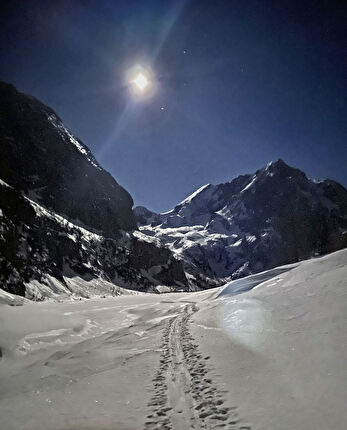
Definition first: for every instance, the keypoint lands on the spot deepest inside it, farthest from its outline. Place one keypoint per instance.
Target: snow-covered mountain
(64, 220)
(41, 157)
(257, 221)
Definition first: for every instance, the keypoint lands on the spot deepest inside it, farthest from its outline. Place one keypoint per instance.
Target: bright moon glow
(141, 81)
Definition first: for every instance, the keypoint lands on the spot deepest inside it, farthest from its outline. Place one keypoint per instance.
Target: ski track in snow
(183, 392)
(264, 352)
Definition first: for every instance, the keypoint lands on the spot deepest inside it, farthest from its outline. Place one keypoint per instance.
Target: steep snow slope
(271, 358)
(40, 157)
(44, 255)
(283, 346)
(275, 216)
(63, 218)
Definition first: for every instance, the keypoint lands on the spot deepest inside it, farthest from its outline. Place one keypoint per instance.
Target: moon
(141, 81)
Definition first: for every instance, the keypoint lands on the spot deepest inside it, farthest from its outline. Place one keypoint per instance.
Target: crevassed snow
(146, 238)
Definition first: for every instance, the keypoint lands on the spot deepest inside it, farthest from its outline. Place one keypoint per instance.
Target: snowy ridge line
(5, 184)
(146, 238)
(254, 178)
(40, 210)
(250, 282)
(244, 226)
(191, 196)
(63, 131)
(75, 288)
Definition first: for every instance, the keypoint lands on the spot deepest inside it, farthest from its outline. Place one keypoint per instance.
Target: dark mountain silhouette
(257, 221)
(63, 217)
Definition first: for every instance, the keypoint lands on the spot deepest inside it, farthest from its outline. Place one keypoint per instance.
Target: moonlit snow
(264, 352)
(250, 224)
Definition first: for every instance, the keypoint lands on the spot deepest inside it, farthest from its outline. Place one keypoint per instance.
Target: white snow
(204, 230)
(273, 346)
(146, 238)
(248, 186)
(65, 133)
(191, 196)
(11, 299)
(4, 184)
(41, 211)
(76, 287)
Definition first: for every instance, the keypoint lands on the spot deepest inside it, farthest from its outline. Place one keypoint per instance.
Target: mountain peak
(256, 221)
(194, 194)
(55, 168)
(7, 86)
(278, 163)
(280, 167)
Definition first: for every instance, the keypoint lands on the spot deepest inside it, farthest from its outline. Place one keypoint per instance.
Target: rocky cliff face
(64, 221)
(42, 158)
(274, 216)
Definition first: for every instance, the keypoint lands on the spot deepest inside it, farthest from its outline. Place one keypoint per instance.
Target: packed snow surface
(267, 352)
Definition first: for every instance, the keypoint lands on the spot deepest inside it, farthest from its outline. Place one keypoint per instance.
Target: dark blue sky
(259, 80)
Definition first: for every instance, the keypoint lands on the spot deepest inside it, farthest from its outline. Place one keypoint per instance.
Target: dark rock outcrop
(63, 217)
(255, 222)
(40, 157)
(36, 244)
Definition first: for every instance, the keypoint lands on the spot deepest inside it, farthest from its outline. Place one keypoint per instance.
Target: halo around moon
(140, 80)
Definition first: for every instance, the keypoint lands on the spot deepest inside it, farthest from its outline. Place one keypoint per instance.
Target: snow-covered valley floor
(270, 358)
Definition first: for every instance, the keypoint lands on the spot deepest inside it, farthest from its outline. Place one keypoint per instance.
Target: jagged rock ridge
(41, 157)
(255, 222)
(63, 218)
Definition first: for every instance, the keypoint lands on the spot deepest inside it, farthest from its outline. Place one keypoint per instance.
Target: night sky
(235, 84)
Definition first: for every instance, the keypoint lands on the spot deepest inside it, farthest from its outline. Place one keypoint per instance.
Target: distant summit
(64, 220)
(252, 223)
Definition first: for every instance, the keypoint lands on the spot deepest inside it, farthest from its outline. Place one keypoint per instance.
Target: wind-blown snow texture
(270, 358)
(63, 218)
(258, 221)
